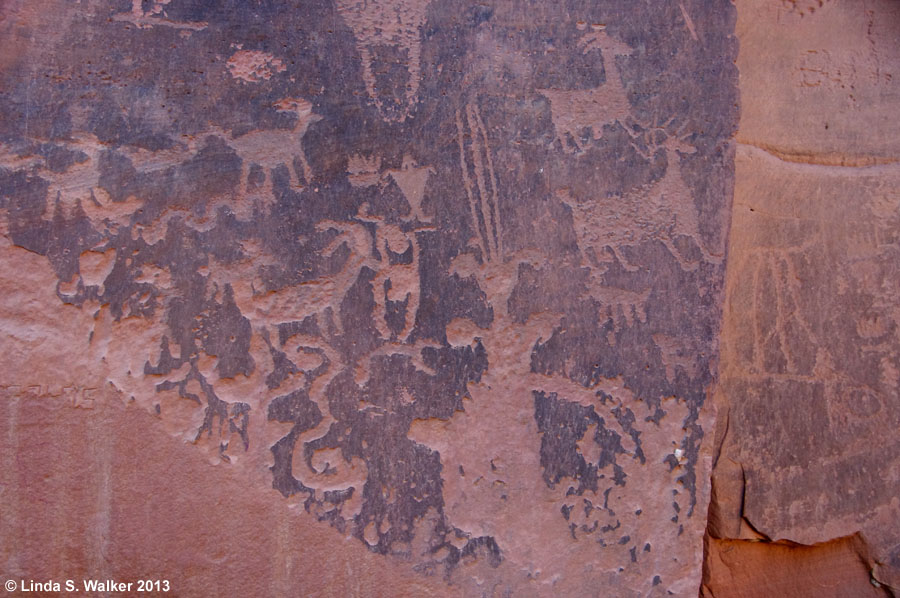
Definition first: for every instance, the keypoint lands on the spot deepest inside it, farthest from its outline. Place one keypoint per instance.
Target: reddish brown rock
(819, 80)
(810, 358)
(750, 569)
(99, 490)
(440, 283)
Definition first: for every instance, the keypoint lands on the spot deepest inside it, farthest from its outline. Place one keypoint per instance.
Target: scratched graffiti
(454, 300)
(72, 395)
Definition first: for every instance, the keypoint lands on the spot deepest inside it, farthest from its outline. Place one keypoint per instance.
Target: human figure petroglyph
(349, 388)
(379, 24)
(575, 111)
(363, 242)
(479, 491)
(408, 362)
(412, 178)
(505, 392)
(312, 352)
(192, 371)
(396, 282)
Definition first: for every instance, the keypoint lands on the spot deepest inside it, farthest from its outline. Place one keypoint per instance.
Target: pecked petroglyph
(397, 283)
(810, 355)
(576, 112)
(155, 16)
(487, 491)
(380, 25)
(412, 178)
(76, 183)
(412, 330)
(777, 294)
(254, 66)
(480, 181)
(271, 148)
(609, 229)
(620, 448)
(663, 210)
(688, 22)
(804, 7)
(364, 171)
(785, 246)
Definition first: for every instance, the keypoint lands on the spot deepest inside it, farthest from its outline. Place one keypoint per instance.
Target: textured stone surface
(819, 79)
(748, 569)
(810, 354)
(82, 502)
(431, 284)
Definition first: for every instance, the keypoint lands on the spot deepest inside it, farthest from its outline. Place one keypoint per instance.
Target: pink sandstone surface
(426, 298)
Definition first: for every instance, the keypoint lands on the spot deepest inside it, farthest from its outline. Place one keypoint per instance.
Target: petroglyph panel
(813, 71)
(810, 360)
(444, 280)
(807, 401)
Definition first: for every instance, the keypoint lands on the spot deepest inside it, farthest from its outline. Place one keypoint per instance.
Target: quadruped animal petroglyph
(456, 299)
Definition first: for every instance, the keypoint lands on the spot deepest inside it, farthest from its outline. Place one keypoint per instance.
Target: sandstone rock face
(810, 355)
(99, 490)
(422, 297)
(434, 288)
(745, 569)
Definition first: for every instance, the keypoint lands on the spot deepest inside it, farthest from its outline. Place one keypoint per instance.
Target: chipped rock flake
(254, 66)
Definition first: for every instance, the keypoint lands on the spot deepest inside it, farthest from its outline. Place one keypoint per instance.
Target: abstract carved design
(451, 280)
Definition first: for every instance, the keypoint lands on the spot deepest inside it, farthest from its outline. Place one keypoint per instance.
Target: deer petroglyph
(575, 111)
